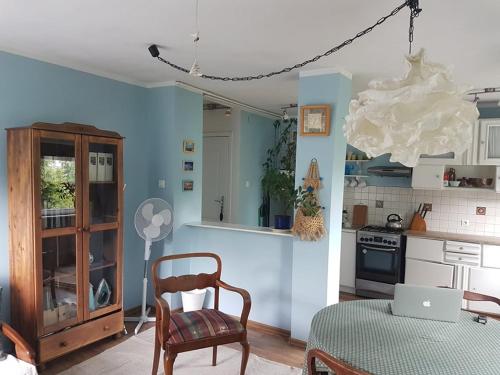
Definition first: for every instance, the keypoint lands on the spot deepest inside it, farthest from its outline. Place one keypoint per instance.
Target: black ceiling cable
(414, 12)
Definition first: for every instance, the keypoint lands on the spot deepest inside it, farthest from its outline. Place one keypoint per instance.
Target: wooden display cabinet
(65, 221)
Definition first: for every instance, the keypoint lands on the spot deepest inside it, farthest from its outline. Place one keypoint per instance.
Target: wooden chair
(182, 332)
(473, 296)
(23, 350)
(334, 364)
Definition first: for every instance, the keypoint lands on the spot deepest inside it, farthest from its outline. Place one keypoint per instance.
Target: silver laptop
(427, 302)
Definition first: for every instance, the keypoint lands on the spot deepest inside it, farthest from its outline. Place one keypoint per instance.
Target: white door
(423, 273)
(485, 281)
(348, 262)
(489, 142)
(427, 177)
(216, 199)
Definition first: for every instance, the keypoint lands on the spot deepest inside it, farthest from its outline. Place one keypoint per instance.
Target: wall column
(316, 265)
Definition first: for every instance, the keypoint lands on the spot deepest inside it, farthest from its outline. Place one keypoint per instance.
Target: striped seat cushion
(194, 325)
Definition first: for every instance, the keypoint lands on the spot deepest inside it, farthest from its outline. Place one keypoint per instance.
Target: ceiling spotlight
(285, 116)
(227, 112)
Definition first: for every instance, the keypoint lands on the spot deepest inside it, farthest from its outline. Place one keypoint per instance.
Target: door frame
(225, 134)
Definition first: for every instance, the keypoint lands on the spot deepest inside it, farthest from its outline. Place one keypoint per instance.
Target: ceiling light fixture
(195, 69)
(285, 116)
(422, 113)
(227, 113)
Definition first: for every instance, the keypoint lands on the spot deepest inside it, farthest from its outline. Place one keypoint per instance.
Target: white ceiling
(238, 37)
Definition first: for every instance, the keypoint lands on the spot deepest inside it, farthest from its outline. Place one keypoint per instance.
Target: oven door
(378, 263)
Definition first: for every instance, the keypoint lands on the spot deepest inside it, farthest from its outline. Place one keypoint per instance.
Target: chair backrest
(184, 283)
(473, 296)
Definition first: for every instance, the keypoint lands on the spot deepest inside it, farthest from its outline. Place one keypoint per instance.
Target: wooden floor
(263, 344)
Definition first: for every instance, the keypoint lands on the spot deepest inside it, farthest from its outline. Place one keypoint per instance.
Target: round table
(367, 336)
(13, 366)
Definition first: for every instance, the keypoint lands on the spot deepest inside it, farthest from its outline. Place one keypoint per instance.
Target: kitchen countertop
(487, 240)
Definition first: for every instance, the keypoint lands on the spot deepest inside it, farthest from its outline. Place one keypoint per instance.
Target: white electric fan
(153, 222)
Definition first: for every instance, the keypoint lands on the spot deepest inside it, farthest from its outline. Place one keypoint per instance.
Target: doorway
(216, 197)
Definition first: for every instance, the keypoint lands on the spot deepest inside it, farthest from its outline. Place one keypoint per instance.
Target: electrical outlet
(465, 222)
(161, 184)
(428, 207)
(379, 204)
(481, 211)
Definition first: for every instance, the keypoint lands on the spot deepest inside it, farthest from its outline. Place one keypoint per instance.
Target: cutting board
(359, 215)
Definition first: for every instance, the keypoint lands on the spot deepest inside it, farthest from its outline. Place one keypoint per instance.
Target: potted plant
(278, 181)
(309, 222)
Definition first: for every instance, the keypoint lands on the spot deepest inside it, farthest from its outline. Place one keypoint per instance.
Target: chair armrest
(331, 362)
(162, 318)
(24, 352)
(247, 301)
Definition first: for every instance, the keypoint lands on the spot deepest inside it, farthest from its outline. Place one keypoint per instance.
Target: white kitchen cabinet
(491, 257)
(484, 281)
(489, 142)
(424, 249)
(419, 272)
(348, 261)
(427, 177)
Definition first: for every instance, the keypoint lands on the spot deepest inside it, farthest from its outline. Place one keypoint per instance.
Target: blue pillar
(315, 275)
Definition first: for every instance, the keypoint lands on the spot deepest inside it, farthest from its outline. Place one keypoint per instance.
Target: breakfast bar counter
(485, 240)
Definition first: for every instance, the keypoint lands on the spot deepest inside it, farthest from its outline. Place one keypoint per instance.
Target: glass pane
(493, 142)
(448, 155)
(103, 189)
(102, 269)
(59, 279)
(57, 177)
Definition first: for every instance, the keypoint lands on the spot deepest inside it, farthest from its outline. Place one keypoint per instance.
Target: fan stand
(144, 318)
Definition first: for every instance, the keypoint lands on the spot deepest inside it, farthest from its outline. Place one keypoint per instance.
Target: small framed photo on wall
(188, 146)
(188, 165)
(315, 120)
(187, 185)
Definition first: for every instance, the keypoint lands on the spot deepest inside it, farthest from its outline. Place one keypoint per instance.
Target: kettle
(394, 221)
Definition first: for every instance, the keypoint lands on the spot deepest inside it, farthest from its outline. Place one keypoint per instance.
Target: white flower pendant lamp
(423, 113)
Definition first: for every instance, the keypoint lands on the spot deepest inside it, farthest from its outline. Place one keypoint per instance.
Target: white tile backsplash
(449, 208)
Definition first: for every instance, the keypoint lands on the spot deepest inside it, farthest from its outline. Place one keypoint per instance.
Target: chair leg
(214, 356)
(244, 356)
(156, 358)
(169, 363)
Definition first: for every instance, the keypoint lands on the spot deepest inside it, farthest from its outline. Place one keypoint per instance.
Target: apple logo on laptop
(426, 303)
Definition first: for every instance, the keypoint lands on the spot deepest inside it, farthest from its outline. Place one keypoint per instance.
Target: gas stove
(380, 261)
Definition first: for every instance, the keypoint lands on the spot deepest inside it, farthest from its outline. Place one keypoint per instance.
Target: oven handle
(378, 249)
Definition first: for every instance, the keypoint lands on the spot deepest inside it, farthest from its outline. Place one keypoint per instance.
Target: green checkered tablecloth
(367, 336)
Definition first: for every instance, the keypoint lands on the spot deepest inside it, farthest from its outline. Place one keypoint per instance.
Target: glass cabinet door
(102, 185)
(489, 148)
(59, 243)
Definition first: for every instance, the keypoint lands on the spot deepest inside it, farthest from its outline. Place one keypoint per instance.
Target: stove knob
(371, 239)
(394, 242)
(385, 241)
(362, 239)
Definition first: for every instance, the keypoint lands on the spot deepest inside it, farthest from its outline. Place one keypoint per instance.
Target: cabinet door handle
(86, 229)
(106, 328)
(79, 230)
(63, 344)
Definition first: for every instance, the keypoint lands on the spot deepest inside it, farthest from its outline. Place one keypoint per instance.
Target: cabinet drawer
(463, 247)
(424, 249)
(491, 256)
(73, 338)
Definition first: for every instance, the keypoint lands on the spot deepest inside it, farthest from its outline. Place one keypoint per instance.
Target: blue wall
(259, 263)
(33, 91)
(315, 274)
(256, 137)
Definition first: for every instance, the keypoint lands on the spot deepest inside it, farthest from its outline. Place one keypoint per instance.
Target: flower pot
(282, 221)
(193, 300)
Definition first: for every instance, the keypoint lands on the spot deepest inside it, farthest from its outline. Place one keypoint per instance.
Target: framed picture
(188, 165)
(315, 120)
(187, 185)
(188, 146)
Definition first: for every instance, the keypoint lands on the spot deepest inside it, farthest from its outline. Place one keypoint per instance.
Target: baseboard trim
(264, 328)
(297, 343)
